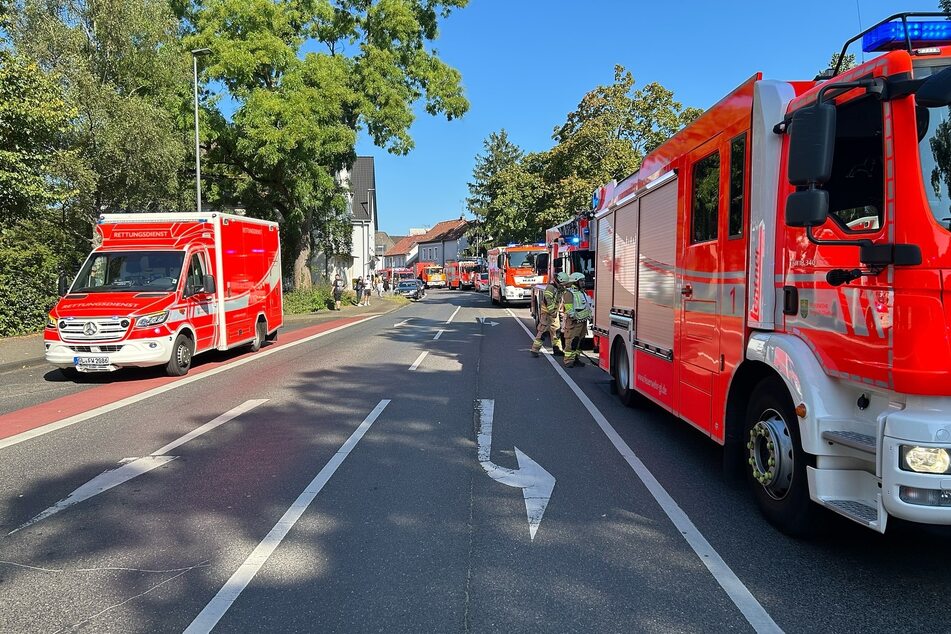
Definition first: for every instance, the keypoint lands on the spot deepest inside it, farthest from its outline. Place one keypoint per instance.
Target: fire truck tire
(182, 351)
(776, 462)
(260, 332)
(621, 371)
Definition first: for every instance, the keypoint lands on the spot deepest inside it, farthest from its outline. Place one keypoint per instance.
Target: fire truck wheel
(776, 463)
(182, 351)
(622, 377)
(260, 332)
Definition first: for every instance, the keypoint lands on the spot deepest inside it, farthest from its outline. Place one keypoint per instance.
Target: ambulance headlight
(152, 320)
(50, 321)
(925, 459)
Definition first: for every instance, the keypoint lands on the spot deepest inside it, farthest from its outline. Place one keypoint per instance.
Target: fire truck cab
(513, 271)
(570, 250)
(778, 274)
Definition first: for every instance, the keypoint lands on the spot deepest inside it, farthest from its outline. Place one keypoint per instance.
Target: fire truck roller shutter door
(656, 267)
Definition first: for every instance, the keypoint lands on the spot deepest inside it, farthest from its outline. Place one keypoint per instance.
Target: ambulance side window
(196, 274)
(705, 199)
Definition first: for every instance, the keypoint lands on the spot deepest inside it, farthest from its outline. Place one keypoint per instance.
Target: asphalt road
(327, 486)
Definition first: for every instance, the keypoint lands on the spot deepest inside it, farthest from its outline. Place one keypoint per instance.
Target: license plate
(81, 361)
(533, 280)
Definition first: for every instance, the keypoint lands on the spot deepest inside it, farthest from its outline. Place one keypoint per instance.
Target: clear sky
(526, 64)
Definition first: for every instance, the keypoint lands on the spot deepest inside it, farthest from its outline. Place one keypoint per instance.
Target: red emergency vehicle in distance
(513, 272)
(431, 274)
(399, 274)
(163, 287)
(776, 274)
(569, 250)
(463, 273)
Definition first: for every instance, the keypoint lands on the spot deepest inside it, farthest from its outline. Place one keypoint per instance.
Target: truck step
(855, 440)
(855, 510)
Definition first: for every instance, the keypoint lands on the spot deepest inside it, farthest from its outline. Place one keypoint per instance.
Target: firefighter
(577, 314)
(548, 316)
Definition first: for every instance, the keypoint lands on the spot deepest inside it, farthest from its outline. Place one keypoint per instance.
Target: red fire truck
(431, 274)
(463, 273)
(513, 271)
(778, 274)
(163, 287)
(569, 250)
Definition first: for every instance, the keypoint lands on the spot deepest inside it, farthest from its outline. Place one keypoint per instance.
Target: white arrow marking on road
(134, 467)
(482, 320)
(536, 483)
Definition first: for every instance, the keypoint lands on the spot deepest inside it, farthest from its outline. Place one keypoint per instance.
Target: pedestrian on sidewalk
(358, 287)
(379, 287)
(577, 313)
(386, 284)
(339, 288)
(367, 291)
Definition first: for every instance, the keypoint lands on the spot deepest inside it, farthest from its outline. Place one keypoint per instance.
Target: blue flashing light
(891, 36)
(575, 240)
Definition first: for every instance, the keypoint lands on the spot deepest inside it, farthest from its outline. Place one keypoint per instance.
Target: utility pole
(195, 54)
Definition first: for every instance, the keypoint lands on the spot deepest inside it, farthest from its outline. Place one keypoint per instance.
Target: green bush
(313, 299)
(28, 274)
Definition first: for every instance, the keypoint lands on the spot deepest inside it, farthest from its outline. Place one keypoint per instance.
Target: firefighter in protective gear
(548, 315)
(577, 314)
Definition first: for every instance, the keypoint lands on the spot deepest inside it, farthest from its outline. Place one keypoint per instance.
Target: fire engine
(431, 274)
(513, 271)
(570, 250)
(778, 275)
(463, 273)
(163, 287)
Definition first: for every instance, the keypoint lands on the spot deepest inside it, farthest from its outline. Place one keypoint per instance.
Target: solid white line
(247, 406)
(418, 360)
(216, 608)
(755, 614)
(437, 334)
(105, 409)
(452, 316)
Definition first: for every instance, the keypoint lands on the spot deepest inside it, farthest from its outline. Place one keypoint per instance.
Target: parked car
(410, 288)
(482, 282)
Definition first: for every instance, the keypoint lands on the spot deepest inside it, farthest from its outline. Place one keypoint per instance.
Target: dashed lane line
(453, 315)
(418, 360)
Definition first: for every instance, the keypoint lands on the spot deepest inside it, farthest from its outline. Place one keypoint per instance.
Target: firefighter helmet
(576, 277)
(563, 278)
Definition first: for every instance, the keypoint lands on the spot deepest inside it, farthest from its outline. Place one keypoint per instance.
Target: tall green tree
(303, 78)
(125, 77)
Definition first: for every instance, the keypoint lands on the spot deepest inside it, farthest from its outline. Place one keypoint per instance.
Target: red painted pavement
(35, 416)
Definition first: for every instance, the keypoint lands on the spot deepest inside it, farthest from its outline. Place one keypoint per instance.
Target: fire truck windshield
(934, 146)
(522, 259)
(433, 270)
(130, 271)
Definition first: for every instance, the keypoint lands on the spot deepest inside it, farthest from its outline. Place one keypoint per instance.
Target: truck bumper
(131, 353)
(517, 294)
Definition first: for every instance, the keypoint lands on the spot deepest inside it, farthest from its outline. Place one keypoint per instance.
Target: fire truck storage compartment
(656, 267)
(604, 276)
(625, 254)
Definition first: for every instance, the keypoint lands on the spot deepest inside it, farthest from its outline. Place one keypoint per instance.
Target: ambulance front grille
(96, 348)
(92, 329)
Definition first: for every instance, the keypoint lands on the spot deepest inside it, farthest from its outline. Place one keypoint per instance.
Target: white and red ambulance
(163, 287)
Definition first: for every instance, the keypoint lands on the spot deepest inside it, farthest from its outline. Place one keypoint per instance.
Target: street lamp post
(195, 54)
(366, 243)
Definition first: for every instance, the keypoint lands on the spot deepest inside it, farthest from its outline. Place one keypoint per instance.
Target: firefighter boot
(536, 346)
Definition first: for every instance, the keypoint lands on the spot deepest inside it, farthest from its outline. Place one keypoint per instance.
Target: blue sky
(525, 64)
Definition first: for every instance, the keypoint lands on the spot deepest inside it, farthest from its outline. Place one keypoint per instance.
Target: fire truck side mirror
(935, 92)
(209, 284)
(62, 286)
(811, 143)
(807, 208)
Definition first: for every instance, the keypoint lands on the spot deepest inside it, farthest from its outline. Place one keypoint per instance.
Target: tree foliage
(297, 111)
(516, 196)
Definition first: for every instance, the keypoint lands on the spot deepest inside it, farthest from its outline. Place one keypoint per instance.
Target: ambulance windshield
(130, 271)
(934, 146)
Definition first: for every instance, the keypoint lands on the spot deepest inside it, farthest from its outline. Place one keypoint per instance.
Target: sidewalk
(27, 351)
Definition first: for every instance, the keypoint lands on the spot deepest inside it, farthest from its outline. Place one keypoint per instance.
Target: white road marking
(418, 360)
(439, 332)
(134, 467)
(100, 484)
(755, 614)
(534, 481)
(247, 406)
(402, 323)
(482, 320)
(453, 315)
(105, 409)
(228, 594)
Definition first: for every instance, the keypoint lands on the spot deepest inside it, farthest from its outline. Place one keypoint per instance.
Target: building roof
(402, 246)
(363, 188)
(445, 230)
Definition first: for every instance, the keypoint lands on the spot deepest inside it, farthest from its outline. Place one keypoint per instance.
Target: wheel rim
(771, 455)
(184, 355)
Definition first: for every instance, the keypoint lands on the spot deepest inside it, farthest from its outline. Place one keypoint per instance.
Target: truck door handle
(687, 290)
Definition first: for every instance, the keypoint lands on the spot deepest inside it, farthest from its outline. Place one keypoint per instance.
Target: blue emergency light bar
(891, 36)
